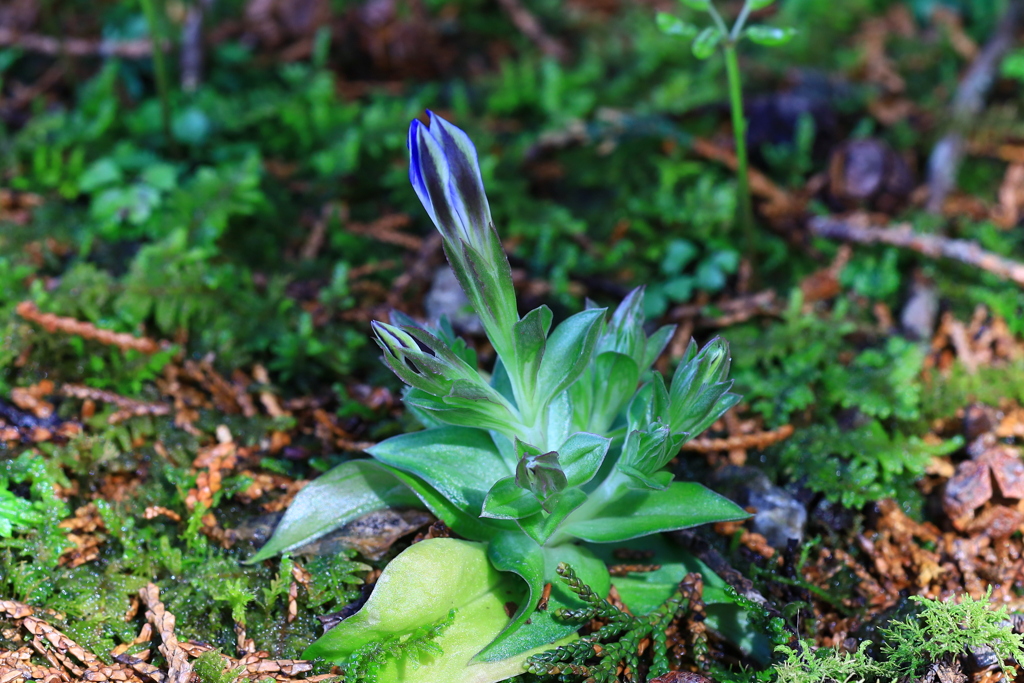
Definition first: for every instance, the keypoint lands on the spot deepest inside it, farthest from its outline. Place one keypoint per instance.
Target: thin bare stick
(935, 246)
(967, 104)
(76, 47)
(191, 60)
(128, 407)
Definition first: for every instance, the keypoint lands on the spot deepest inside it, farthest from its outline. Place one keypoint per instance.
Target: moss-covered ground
(190, 257)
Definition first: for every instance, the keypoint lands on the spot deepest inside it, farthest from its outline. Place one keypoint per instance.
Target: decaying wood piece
(935, 246)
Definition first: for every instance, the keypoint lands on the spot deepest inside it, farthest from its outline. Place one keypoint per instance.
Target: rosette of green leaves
(563, 444)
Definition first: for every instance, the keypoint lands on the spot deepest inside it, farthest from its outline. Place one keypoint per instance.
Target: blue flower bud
(445, 173)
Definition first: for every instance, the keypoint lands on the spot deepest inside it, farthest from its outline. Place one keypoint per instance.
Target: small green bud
(542, 476)
(699, 5)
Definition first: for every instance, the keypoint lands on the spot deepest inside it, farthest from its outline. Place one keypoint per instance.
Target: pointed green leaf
(699, 5)
(461, 463)
(619, 375)
(463, 412)
(461, 522)
(656, 343)
(568, 352)
(650, 404)
(581, 456)
(336, 497)
(531, 334)
(642, 512)
(508, 500)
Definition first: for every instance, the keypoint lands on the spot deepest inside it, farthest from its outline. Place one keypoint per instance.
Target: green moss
(941, 632)
(857, 402)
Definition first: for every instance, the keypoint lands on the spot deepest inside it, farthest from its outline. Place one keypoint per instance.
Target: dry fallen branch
(934, 246)
(732, 312)
(76, 47)
(127, 407)
(386, 229)
(55, 323)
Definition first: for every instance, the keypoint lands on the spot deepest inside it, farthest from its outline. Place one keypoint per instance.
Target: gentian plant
(564, 444)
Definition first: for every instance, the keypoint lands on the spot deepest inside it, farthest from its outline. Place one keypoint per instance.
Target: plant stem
(737, 27)
(159, 66)
(744, 205)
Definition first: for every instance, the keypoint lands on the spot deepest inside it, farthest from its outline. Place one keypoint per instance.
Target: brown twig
(191, 62)
(626, 569)
(385, 229)
(733, 311)
(934, 246)
(759, 441)
(23, 96)
(760, 184)
(128, 407)
(967, 104)
(55, 323)
(76, 47)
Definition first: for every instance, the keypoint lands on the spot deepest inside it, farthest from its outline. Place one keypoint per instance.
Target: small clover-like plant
(564, 443)
(719, 35)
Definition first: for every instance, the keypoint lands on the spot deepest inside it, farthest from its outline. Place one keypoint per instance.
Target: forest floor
(192, 248)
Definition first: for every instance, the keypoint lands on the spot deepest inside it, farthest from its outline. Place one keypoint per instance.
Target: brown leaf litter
(68, 662)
